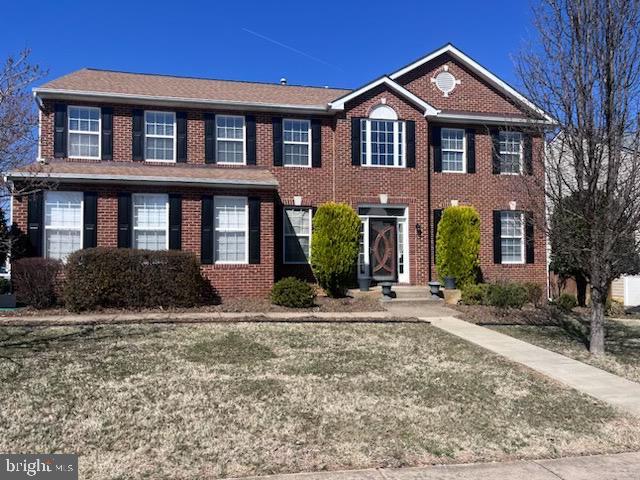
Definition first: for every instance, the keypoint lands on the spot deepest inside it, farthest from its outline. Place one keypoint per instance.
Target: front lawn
(165, 401)
(622, 344)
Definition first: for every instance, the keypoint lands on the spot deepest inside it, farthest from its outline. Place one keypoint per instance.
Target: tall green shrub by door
(334, 247)
(458, 245)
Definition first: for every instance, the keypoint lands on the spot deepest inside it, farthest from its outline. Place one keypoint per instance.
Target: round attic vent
(446, 82)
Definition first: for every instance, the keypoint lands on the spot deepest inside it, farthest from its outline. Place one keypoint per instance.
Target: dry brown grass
(151, 401)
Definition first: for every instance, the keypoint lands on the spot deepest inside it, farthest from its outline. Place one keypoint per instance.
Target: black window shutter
(471, 150)
(437, 215)
(529, 246)
(254, 230)
(278, 222)
(60, 131)
(356, 153)
(250, 126)
(411, 143)
(436, 143)
(206, 231)
(316, 143)
(137, 123)
(277, 141)
(175, 221)
(90, 220)
(181, 139)
(124, 220)
(495, 149)
(209, 138)
(34, 222)
(528, 154)
(107, 133)
(497, 233)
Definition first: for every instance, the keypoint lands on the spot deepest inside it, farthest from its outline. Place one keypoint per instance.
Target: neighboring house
(233, 171)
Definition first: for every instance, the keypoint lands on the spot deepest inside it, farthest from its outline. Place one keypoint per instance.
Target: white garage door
(632, 291)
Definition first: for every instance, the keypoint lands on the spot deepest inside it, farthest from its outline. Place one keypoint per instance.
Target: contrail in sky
(295, 50)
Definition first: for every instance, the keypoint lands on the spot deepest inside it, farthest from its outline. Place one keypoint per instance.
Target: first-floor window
(150, 221)
(512, 236)
(62, 224)
(231, 227)
(297, 235)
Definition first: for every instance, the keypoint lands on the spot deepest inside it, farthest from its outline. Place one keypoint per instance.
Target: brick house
(232, 171)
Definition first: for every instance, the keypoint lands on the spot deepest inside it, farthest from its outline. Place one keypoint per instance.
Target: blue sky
(336, 43)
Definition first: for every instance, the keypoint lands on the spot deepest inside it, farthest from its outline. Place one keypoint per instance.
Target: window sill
(453, 171)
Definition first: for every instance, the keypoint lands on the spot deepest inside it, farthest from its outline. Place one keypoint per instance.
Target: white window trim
(500, 153)
(51, 227)
(285, 234)
(246, 230)
(69, 132)
(464, 150)
(243, 140)
(308, 143)
(522, 244)
(175, 137)
(399, 161)
(133, 219)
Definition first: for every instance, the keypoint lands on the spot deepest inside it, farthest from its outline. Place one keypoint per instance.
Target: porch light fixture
(419, 229)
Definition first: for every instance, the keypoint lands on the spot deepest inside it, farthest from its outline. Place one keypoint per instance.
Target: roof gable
(476, 68)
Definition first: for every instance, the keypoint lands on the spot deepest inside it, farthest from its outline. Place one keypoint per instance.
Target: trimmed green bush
(507, 295)
(34, 281)
(566, 302)
(126, 278)
(534, 293)
(334, 247)
(292, 292)
(458, 245)
(475, 294)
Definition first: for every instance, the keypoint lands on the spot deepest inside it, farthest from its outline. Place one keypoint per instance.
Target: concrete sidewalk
(624, 466)
(617, 391)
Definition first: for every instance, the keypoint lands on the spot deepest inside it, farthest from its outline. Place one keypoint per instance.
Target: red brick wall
(227, 280)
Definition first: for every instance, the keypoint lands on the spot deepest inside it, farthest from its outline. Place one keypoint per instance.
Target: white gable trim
(428, 110)
(475, 66)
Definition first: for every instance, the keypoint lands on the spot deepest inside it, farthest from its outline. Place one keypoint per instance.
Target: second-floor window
(510, 152)
(150, 221)
(160, 136)
(297, 142)
(84, 132)
(453, 154)
(230, 135)
(382, 138)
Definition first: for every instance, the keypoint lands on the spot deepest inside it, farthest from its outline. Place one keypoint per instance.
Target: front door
(383, 251)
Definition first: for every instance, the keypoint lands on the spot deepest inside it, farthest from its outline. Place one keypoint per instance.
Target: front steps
(404, 294)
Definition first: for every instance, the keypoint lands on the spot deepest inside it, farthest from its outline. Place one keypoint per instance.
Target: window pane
(83, 145)
(59, 244)
(296, 249)
(86, 119)
(230, 247)
(159, 148)
(382, 142)
(230, 151)
(296, 154)
(229, 127)
(297, 221)
(150, 239)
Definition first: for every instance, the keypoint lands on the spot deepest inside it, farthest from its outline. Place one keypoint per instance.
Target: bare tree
(583, 69)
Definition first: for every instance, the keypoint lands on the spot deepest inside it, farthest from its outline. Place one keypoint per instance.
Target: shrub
(475, 294)
(507, 295)
(458, 245)
(34, 281)
(566, 302)
(534, 293)
(334, 247)
(126, 278)
(614, 308)
(5, 286)
(292, 292)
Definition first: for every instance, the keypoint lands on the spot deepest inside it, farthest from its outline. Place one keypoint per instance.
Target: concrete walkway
(624, 466)
(615, 390)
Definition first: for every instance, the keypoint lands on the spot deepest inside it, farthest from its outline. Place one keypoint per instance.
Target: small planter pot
(435, 289)
(450, 283)
(8, 300)
(364, 284)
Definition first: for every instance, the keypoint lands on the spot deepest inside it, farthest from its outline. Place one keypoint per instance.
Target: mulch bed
(484, 315)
